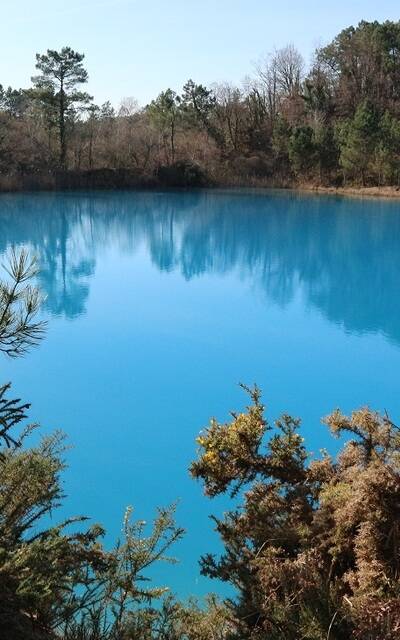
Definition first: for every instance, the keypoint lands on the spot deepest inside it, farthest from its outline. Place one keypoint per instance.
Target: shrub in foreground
(313, 547)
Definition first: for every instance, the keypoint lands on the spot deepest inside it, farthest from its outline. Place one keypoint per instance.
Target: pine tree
(358, 142)
(56, 87)
(302, 149)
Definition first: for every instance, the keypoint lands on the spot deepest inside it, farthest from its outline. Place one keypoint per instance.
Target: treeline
(335, 123)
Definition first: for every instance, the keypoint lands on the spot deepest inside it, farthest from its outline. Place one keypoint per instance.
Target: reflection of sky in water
(174, 298)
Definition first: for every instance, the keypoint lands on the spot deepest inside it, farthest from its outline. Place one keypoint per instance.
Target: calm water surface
(160, 303)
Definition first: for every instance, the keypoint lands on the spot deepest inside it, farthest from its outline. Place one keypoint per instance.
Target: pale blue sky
(136, 48)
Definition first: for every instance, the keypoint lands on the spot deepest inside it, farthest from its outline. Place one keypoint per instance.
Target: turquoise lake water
(160, 303)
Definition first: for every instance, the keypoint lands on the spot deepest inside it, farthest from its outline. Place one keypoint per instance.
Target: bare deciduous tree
(288, 65)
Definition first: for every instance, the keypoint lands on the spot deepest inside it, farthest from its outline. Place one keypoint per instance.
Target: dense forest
(310, 544)
(335, 122)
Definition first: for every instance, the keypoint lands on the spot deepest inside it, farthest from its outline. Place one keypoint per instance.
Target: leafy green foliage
(170, 620)
(198, 103)
(359, 140)
(362, 63)
(387, 150)
(302, 149)
(119, 600)
(164, 113)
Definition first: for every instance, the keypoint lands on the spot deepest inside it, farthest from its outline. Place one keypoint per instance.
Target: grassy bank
(370, 192)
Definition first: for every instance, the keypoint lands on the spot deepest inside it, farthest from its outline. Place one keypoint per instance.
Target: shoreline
(120, 180)
(358, 192)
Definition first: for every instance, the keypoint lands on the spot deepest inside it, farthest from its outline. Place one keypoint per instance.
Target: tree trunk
(63, 142)
(173, 141)
(91, 149)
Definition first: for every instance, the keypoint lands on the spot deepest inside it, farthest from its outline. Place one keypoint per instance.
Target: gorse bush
(313, 549)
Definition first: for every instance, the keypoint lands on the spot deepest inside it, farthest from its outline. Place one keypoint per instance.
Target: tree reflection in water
(342, 255)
